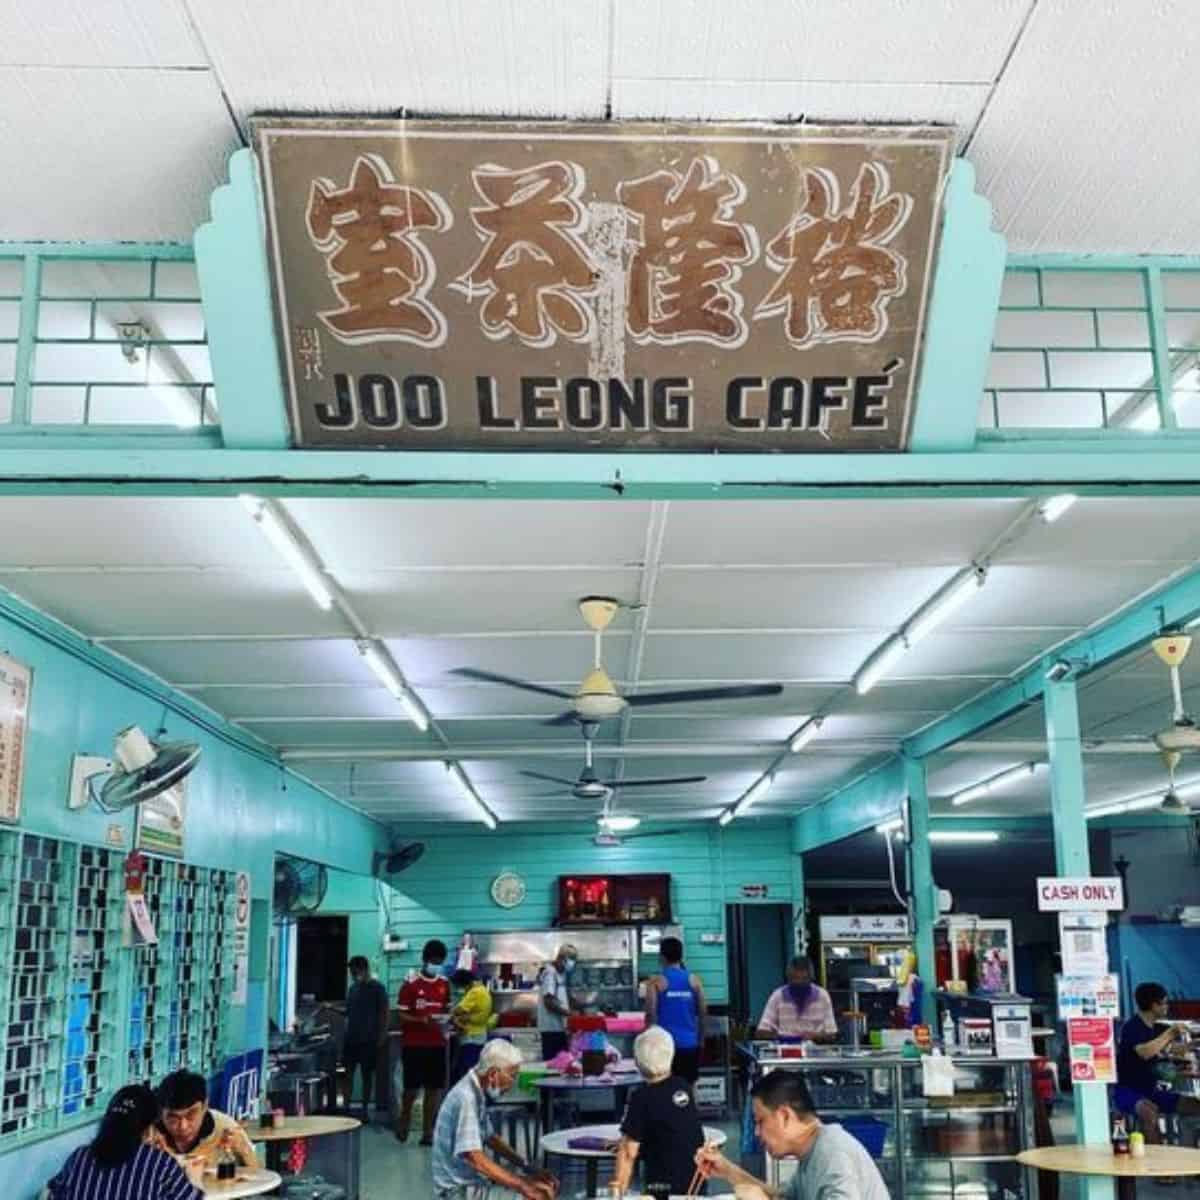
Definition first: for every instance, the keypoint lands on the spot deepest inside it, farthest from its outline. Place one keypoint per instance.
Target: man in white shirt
(831, 1164)
(554, 1004)
(800, 1009)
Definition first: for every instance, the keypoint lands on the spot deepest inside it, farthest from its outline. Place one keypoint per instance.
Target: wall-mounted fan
(300, 886)
(399, 858)
(139, 770)
(597, 698)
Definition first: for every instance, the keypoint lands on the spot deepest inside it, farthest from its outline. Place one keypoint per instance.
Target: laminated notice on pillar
(1088, 996)
(1092, 1050)
(1061, 893)
(1084, 942)
(139, 924)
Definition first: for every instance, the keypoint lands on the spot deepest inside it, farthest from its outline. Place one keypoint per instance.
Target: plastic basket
(870, 1131)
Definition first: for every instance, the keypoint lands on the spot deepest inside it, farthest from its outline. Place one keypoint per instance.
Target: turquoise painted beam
(868, 801)
(1171, 606)
(923, 897)
(142, 467)
(962, 315)
(1072, 857)
(235, 286)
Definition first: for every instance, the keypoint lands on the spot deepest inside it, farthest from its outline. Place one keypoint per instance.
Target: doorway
(758, 941)
(322, 947)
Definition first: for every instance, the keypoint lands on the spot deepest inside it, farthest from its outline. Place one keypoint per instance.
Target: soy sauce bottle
(1120, 1137)
(226, 1165)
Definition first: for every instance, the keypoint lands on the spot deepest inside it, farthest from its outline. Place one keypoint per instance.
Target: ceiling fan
(597, 698)
(1182, 733)
(589, 786)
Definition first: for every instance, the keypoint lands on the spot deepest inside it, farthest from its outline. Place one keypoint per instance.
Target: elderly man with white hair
(461, 1168)
(661, 1123)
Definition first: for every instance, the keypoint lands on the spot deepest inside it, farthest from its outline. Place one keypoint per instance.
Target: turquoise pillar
(1072, 858)
(799, 927)
(922, 889)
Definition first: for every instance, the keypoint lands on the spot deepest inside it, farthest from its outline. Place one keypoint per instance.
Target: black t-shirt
(1134, 1071)
(662, 1118)
(363, 1005)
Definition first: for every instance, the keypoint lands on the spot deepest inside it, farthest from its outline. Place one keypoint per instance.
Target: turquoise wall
(242, 807)
(364, 902)
(447, 891)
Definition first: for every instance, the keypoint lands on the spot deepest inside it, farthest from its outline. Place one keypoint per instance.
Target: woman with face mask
(800, 1010)
(462, 1167)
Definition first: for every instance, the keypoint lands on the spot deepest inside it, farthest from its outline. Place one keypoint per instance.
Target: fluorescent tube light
(618, 824)
(986, 787)
(947, 601)
(964, 835)
(725, 818)
(1054, 508)
(878, 666)
(465, 786)
(290, 550)
(386, 671)
(805, 734)
(1140, 802)
(756, 792)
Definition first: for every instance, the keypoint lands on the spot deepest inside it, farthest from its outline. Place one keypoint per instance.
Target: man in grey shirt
(831, 1165)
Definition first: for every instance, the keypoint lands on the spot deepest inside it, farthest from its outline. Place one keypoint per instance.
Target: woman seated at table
(120, 1160)
(661, 1124)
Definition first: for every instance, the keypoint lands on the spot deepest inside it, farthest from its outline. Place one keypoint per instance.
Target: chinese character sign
(572, 286)
(15, 679)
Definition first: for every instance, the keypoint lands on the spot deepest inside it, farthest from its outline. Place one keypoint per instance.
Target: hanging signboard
(567, 286)
(15, 679)
(1061, 893)
(878, 927)
(1092, 1051)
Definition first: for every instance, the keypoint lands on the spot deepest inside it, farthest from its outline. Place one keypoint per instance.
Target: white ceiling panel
(195, 603)
(92, 33)
(894, 533)
(1054, 184)
(753, 657)
(992, 652)
(377, 534)
(110, 155)
(837, 41)
(347, 700)
(115, 531)
(1107, 530)
(396, 603)
(828, 598)
(816, 102)
(505, 57)
(651, 725)
(278, 662)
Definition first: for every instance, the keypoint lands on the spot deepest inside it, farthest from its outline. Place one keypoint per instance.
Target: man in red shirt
(423, 1052)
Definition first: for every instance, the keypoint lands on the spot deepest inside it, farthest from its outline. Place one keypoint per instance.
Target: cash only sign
(502, 285)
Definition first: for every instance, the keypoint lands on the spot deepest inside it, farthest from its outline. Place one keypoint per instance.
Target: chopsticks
(698, 1177)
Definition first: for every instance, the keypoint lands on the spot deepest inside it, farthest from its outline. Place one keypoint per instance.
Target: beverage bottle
(948, 1037)
(1120, 1138)
(226, 1164)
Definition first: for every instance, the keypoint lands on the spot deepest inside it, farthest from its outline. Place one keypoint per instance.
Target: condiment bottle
(1120, 1139)
(1137, 1144)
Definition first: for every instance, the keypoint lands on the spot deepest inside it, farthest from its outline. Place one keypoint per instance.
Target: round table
(253, 1183)
(557, 1143)
(619, 1081)
(1124, 1168)
(292, 1130)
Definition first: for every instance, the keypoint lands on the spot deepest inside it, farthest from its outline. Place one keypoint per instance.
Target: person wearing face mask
(554, 1003)
(423, 1051)
(462, 1168)
(800, 1010)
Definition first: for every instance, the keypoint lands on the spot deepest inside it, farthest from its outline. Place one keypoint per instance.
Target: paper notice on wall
(139, 924)
(1092, 1052)
(241, 937)
(1084, 943)
(1088, 996)
(241, 981)
(14, 716)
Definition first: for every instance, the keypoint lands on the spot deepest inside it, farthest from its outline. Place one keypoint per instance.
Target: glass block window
(92, 1000)
(39, 877)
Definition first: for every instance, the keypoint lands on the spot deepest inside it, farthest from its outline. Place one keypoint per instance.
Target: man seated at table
(1139, 1092)
(800, 1009)
(661, 1123)
(832, 1165)
(461, 1168)
(187, 1125)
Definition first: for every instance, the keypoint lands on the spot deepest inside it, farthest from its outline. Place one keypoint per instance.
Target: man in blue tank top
(675, 1000)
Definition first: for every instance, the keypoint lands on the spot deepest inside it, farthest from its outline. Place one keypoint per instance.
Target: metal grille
(150, 999)
(92, 988)
(217, 973)
(1095, 348)
(88, 340)
(39, 881)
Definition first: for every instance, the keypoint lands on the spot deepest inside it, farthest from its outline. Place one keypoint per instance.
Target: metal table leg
(593, 1171)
